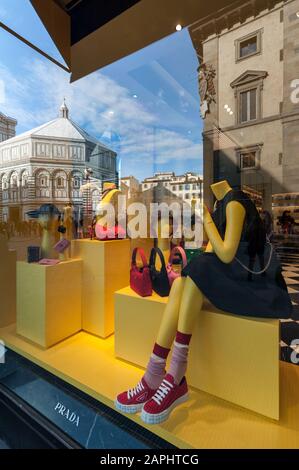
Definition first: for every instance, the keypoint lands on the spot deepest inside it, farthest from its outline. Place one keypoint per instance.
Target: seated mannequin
(48, 219)
(104, 226)
(221, 275)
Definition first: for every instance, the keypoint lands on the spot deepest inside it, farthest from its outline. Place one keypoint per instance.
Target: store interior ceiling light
(297, 14)
(178, 27)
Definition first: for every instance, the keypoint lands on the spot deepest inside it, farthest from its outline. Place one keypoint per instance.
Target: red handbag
(140, 279)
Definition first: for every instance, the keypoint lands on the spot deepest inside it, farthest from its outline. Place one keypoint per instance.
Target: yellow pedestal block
(106, 268)
(48, 301)
(8, 262)
(232, 357)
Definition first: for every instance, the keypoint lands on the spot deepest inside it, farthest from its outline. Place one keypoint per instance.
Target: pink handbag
(140, 279)
(62, 245)
(172, 275)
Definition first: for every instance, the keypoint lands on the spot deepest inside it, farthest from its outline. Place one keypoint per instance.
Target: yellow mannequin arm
(227, 248)
(209, 248)
(108, 198)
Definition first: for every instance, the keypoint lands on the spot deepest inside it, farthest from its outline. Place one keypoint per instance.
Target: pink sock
(179, 358)
(155, 371)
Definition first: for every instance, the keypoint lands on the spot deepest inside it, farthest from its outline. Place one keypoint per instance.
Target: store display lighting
(178, 27)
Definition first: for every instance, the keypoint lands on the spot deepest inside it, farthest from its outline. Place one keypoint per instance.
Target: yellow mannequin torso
(235, 216)
(110, 198)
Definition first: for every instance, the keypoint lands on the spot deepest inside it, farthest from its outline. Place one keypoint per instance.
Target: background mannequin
(109, 197)
(48, 219)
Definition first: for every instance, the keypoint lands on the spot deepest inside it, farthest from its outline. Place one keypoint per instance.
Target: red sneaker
(167, 397)
(133, 400)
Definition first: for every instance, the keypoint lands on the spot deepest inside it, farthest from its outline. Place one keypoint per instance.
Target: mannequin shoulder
(235, 208)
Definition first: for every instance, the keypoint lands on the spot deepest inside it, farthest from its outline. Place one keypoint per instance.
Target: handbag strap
(142, 256)
(156, 251)
(181, 251)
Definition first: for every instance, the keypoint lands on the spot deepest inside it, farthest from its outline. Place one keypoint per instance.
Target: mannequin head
(220, 189)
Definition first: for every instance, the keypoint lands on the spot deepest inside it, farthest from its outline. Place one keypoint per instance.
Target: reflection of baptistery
(46, 164)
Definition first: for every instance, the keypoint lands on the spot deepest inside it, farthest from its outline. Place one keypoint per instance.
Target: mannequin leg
(169, 324)
(155, 370)
(191, 305)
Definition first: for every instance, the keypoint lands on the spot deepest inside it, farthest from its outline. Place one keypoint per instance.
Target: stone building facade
(46, 165)
(251, 129)
(185, 187)
(7, 127)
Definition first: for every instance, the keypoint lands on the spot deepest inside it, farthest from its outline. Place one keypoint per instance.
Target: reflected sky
(145, 106)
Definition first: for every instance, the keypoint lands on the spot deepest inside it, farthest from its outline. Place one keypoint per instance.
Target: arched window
(60, 182)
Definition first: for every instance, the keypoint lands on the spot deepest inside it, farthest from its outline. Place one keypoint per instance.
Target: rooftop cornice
(224, 19)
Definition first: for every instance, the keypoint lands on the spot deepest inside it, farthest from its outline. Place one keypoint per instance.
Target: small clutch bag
(62, 245)
(48, 261)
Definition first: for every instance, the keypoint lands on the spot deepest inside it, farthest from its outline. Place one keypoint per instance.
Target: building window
(145, 186)
(24, 150)
(248, 95)
(249, 158)
(58, 151)
(15, 152)
(76, 183)
(187, 196)
(187, 187)
(75, 152)
(42, 149)
(249, 45)
(43, 182)
(173, 188)
(180, 187)
(60, 182)
(248, 105)
(5, 154)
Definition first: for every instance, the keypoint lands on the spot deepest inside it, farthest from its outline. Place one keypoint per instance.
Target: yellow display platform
(106, 268)
(204, 422)
(232, 357)
(8, 261)
(48, 301)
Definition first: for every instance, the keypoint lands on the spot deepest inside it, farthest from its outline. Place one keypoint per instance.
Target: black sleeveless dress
(231, 287)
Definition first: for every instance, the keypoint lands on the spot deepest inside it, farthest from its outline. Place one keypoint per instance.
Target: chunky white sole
(131, 409)
(158, 418)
